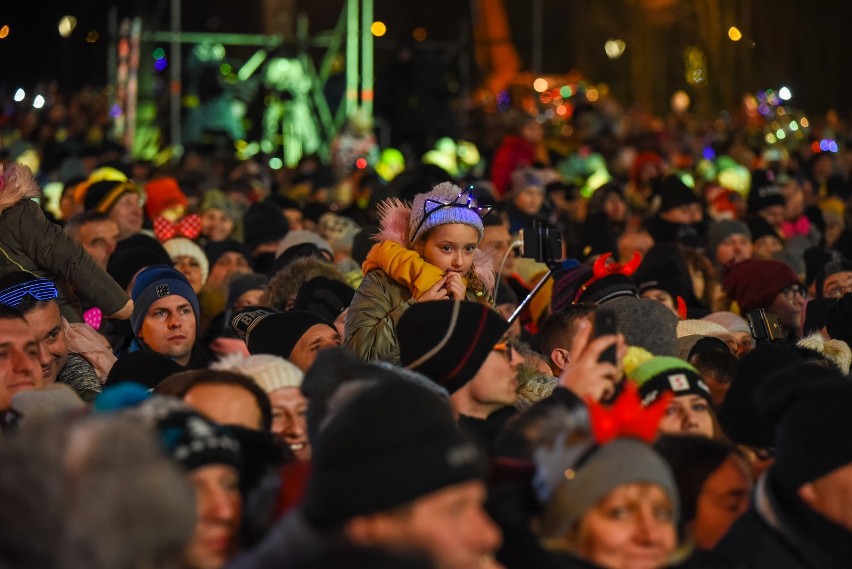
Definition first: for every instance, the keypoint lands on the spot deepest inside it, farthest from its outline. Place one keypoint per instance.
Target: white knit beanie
(180, 247)
(269, 372)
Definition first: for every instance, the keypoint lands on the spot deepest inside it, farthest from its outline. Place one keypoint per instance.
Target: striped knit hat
(447, 341)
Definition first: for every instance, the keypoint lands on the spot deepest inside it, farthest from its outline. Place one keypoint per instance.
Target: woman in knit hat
(426, 251)
(690, 411)
(281, 381)
(219, 217)
(609, 501)
(190, 260)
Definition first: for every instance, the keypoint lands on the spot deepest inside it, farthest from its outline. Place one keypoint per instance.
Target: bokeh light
(540, 84)
(378, 29)
(785, 94)
(38, 102)
(614, 48)
(92, 36)
(734, 33)
(19, 95)
(419, 34)
(66, 25)
(4, 31)
(680, 101)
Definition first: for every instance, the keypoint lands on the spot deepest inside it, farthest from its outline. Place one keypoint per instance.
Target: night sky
(804, 45)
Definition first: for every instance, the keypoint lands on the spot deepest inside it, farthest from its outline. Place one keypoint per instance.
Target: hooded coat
(382, 299)
(32, 244)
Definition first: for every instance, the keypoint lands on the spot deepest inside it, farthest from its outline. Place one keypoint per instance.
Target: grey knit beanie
(646, 323)
(721, 230)
(443, 204)
(599, 471)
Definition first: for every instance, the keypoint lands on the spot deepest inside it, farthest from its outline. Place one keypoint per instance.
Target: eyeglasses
(40, 289)
(791, 291)
(505, 347)
(838, 289)
(464, 199)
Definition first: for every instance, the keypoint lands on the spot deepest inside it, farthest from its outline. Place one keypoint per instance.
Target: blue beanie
(154, 283)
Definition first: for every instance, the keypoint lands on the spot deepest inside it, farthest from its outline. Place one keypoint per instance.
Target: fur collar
(16, 184)
(393, 226)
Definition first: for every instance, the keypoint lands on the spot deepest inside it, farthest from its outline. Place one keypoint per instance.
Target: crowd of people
(216, 364)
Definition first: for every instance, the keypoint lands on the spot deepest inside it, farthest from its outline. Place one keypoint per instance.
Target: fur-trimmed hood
(393, 226)
(16, 184)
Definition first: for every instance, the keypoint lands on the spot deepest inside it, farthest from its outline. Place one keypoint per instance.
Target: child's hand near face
(455, 286)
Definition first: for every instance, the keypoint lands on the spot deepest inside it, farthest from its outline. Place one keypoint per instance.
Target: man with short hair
(38, 301)
(801, 512)
(392, 470)
(557, 332)
(226, 397)
(295, 335)
(165, 313)
(461, 346)
(19, 366)
(96, 232)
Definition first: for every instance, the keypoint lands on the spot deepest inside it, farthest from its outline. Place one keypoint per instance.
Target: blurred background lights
(38, 102)
(680, 101)
(19, 95)
(785, 93)
(67, 25)
(419, 34)
(276, 163)
(540, 84)
(92, 36)
(378, 29)
(614, 48)
(4, 31)
(734, 33)
(592, 94)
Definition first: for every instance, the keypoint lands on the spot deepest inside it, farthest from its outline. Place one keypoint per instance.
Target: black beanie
(764, 191)
(193, 441)
(277, 333)
(241, 284)
(815, 260)
(674, 193)
(264, 222)
(838, 321)
(738, 415)
(390, 445)
(216, 249)
(325, 297)
(145, 367)
(134, 254)
(101, 196)
(447, 341)
(759, 227)
(809, 406)
(816, 314)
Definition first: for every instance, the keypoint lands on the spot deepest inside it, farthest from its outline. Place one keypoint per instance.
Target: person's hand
(585, 375)
(125, 312)
(455, 286)
(437, 292)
